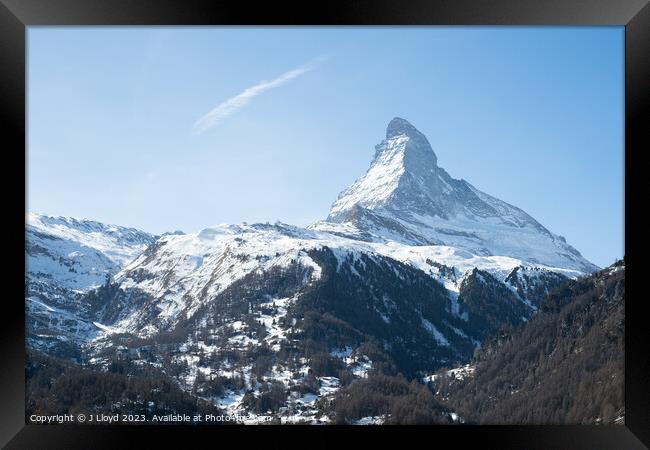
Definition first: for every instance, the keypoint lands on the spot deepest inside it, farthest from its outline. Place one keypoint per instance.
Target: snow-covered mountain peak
(404, 179)
(399, 127)
(403, 158)
(406, 197)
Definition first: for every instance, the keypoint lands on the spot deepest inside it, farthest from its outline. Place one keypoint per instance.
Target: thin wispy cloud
(234, 104)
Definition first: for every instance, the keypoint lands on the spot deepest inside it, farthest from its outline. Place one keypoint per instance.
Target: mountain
(411, 272)
(179, 274)
(406, 197)
(66, 257)
(405, 208)
(565, 366)
(79, 254)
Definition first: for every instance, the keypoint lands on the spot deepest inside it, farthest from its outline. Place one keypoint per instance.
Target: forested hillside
(565, 366)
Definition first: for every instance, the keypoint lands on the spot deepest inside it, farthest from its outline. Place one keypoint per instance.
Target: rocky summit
(406, 197)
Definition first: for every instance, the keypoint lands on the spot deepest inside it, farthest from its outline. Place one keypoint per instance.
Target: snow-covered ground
(187, 270)
(458, 373)
(79, 254)
(60, 323)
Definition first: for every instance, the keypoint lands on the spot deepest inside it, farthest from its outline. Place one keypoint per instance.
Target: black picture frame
(16, 15)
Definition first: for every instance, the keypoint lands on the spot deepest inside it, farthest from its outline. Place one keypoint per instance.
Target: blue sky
(183, 128)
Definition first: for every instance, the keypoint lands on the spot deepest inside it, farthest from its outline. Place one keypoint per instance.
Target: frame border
(17, 15)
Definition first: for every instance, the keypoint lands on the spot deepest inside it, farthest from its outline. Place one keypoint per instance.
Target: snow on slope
(183, 272)
(383, 177)
(78, 254)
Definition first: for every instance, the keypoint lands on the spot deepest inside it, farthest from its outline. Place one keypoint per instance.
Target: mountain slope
(79, 254)
(298, 331)
(66, 257)
(258, 306)
(406, 197)
(565, 366)
(177, 275)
